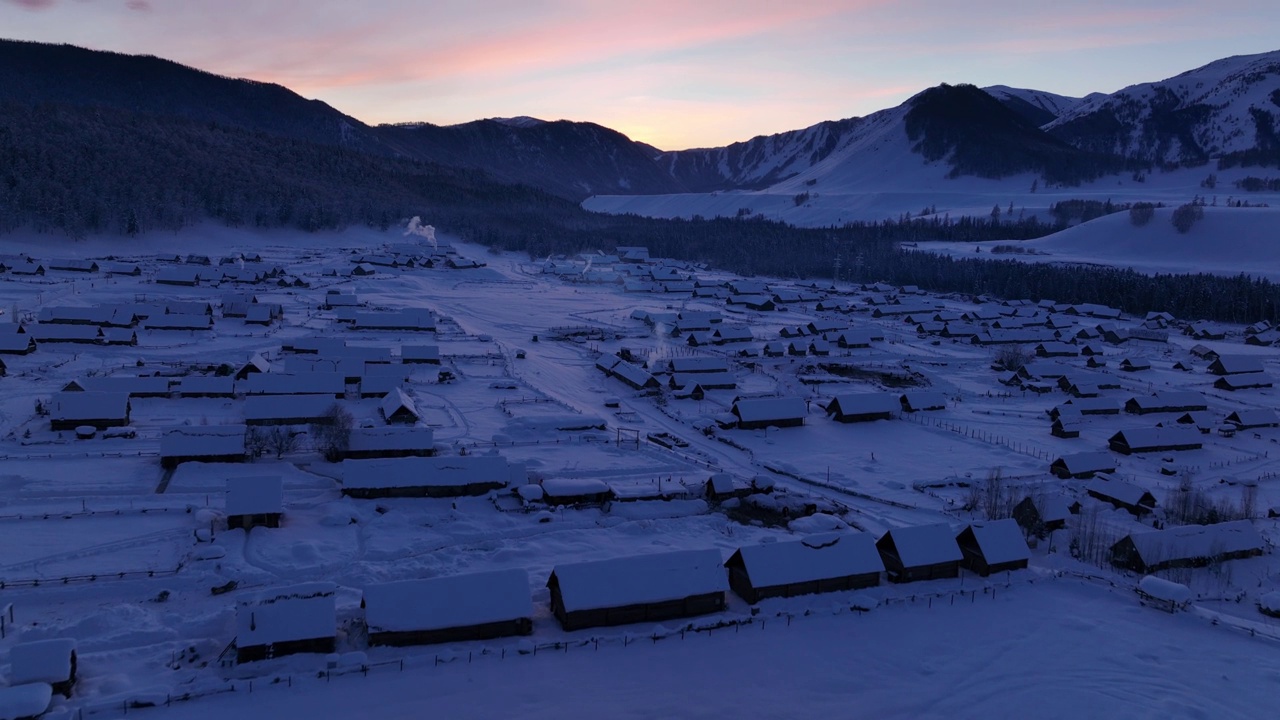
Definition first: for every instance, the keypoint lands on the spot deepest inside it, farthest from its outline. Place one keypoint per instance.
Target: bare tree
(255, 442)
(281, 440)
(1013, 357)
(331, 436)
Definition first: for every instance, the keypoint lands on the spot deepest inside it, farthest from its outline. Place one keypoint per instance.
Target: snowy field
(135, 561)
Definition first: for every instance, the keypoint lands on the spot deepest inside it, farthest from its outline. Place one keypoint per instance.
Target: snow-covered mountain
(1039, 106)
(1229, 107)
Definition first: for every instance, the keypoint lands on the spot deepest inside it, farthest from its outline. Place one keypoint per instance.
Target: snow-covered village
(560, 360)
(416, 461)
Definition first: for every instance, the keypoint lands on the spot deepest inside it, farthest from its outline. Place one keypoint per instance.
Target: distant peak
(522, 121)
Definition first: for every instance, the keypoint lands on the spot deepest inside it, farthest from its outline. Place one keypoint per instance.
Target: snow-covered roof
(47, 661)
(567, 487)
(395, 400)
(25, 701)
(1127, 493)
(1270, 602)
(640, 579)
(925, 400)
(300, 612)
(390, 438)
(764, 409)
(202, 440)
(698, 365)
(1139, 438)
(206, 385)
(450, 471)
(818, 557)
(134, 386)
(1196, 541)
(1087, 462)
(1001, 541)
(925, 544)
(420, 352)
(286, 407)
(448, 602)
(1170, 399)
(257, 495)
(865, 404)
(1233, 364)
(331, 383)
(89, 405)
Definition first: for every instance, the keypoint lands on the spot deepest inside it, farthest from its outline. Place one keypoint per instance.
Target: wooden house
(1082, 466)
(817, 564)
(286, 621)
(641, 588)
(420, 354)
(757, 413)
(1254, 418)
(864, 407)
(133, 386)
(921, 552)
(1041, 515)
(993, 547)
(254, 501)
(70, 410)
(1178, 401)
(184, 275)
(1134, 364)
(455, 608)
(1243, 381)
(1187, 546)
(44, 661)
(437, 476)
(202, 443)
(922, 400)
(1235, 364)
(1122, 495)
(255, 364)
(1158, 439)
(59, 333)
(16, 343)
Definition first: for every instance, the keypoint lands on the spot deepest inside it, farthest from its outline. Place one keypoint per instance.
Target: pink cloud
(32, 4)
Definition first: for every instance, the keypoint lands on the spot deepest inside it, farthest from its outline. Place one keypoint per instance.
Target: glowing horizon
(671, 74)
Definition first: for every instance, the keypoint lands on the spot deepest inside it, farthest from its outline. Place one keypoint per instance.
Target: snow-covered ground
(99, 543)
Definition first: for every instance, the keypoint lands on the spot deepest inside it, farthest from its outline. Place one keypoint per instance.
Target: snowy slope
(1049, 103)
(1227, 106)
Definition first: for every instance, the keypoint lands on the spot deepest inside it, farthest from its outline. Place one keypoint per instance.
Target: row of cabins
(644, 588)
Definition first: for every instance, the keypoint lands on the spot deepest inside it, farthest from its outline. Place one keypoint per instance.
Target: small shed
(397, 408)
(254, 501)
(286, 621)
(44, 661)
(922, 552)
(575, 491)
(457, 608)
(640, 588)
(993, 547)
(817, 564)
(1164, 594)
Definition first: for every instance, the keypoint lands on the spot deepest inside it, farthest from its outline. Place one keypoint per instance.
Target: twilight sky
(673, 73)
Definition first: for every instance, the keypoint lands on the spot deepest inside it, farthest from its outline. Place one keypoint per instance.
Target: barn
(457, 608)
(816, 564)
(254, 501)
(759, 413)
(993, 547)
(1082, 466)
(864, 407)
(640, 588)
(1244, 381)
(70, 410)
(449, 476)
(636, 377)
(1159, 439)
(921, 552)
(1254, 418)
(1122, 495)
(1187, 546)
(16, 343)
(44, 661)
(298, 619)
(202, 443)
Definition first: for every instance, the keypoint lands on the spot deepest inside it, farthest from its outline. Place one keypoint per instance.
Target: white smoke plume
(423, 231)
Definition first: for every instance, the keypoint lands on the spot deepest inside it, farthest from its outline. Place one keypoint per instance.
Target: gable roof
(255, 495)
(818, 557)
(1000, 541)
(764, 409)
(448, 471)
(203, 441)
(639, 579)
(1196, 541)
(68, 406)
(300, 612)
(925, 544)
(448, 602)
